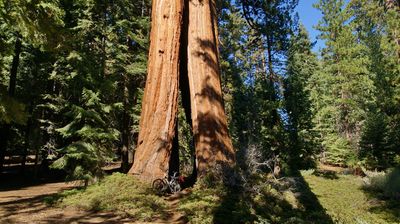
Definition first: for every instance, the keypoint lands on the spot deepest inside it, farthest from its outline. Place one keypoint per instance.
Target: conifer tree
(374, 23)
(301, 65)
(349, 88)
(272, 23)
(105, 63)
(24, 23)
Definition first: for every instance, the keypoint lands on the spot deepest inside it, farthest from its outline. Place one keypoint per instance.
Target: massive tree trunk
(210, 131)
(160, 102)
(189, 36)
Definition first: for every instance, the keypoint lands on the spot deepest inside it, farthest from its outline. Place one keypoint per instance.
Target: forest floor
(27, 205)
(340, 196)
(345, 201)
(23, 200)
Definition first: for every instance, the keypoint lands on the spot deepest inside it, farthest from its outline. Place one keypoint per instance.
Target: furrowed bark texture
(210, 131)
(159, 108)
(192, 42)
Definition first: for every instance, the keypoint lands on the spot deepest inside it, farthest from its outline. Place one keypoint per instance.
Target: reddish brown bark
(201, 75)
(212, 142)
(159, 108)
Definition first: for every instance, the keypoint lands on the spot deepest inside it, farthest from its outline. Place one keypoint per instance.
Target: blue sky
(310, 16)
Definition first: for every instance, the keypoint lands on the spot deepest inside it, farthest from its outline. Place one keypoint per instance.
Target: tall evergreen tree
(25, 23)
(301, 65)
(374, 24)
(349, 82)
(105, 64)
(272, 23)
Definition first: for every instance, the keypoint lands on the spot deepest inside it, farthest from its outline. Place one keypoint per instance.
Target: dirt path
(26, 205)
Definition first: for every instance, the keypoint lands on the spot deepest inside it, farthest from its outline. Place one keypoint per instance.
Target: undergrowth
(119, 193)
(386, 184)
(346, 201)
(260, 200)
(310, 197)
(307, 197)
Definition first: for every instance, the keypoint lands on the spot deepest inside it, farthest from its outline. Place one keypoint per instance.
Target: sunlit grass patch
(346, 202)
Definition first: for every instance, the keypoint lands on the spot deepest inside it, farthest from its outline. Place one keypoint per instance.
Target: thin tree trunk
(14, 67)
(160, 102)
(27, 135)
(29, 124)
(5, 131)
(125, 163)
(270, 84)
(212, 142)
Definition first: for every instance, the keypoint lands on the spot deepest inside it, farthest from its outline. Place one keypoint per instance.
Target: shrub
(392, 187)
(387, 183)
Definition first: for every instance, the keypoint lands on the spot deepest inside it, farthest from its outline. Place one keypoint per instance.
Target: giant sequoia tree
(183, 55)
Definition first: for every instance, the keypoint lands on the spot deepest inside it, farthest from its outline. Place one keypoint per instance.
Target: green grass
(271, 202)
(346, 202)
(309, 197)
(119, 193)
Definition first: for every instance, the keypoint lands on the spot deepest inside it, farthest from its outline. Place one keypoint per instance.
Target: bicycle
(161, 186)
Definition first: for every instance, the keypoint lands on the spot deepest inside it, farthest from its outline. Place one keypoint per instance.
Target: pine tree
(350, 87)
(234, 53)
(272, 23)
(302, 64)
(104, 63)
(375, 27)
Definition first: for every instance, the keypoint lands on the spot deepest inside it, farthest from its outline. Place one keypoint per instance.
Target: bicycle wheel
(159, 186)
(175, 188)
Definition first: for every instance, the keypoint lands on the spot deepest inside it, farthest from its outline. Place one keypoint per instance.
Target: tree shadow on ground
(12, 179)
(313, 209)
(268, 203)
(26, 208)
(37, 204)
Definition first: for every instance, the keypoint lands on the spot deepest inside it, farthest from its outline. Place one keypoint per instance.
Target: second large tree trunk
(210, 131)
